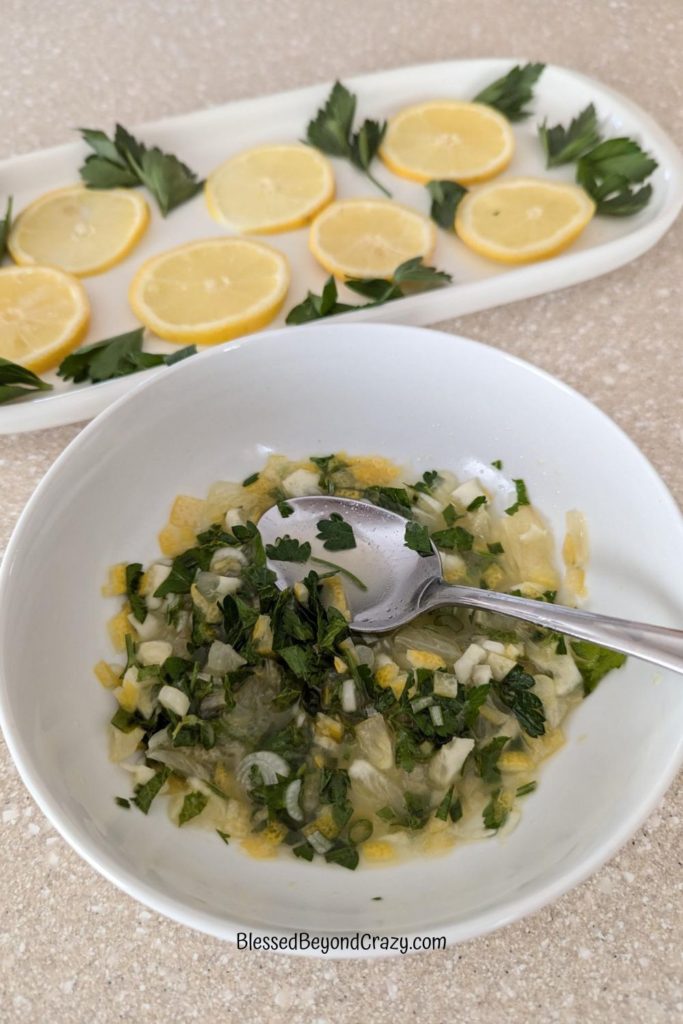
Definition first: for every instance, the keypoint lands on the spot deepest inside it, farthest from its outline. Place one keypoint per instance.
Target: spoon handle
(651, 643)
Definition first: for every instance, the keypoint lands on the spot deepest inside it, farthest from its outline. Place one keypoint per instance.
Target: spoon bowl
(388, 584)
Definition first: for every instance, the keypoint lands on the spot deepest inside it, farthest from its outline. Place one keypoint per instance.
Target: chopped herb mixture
(257, 714)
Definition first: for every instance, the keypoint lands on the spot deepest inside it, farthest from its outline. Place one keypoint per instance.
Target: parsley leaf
(316, 307)
(609, 173)
(522, 498)
(594, 662)
(133, 581)
(145, 793)
(288, 549)
(409, 277)
(511, 93)
(455, 538)
(393, 499)
(477, 503)
(429, 480)
(476, 698)
(116, 357)
(331, 131)
(5, 228)
(365, 145)
(495, 813)
(496, 548)
(344, 854)
(335, 533)
(515, 692)
(446, 196)
(486, 758)
(16, 381)
(563, 145)
(328, 466)
(124, 162)
(417, 539)
(193, 804)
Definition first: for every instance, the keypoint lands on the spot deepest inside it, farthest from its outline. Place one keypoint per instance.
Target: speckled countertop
(74, 949)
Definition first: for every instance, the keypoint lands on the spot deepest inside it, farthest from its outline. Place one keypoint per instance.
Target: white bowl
(431, 399)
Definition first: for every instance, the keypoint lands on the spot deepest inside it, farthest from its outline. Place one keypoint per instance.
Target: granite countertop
(72, 947)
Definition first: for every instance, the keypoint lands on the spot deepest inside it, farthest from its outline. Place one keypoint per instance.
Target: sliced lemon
(44, 313)
(270, 188)
(80, 230)
(448, 140)
(211, 290)
(369, 237)
(522, 219)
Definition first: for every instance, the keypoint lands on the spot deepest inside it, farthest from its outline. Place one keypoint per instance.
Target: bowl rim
(515, 908)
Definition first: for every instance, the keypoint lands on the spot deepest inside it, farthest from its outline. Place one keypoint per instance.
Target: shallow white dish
(417, 395)
(205, 138)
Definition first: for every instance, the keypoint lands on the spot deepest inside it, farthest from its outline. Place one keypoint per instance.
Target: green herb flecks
(454, 538)
(594, 662)
(193, 805)
(288, 549)
(564, 145)
(417, 539)
(515, 692)
(511, 93)
(496, 812)
(16, 381)
(335, 533)
(124, 161)
(522, 498)
(145, 793)
(331, 131)
(133, 580)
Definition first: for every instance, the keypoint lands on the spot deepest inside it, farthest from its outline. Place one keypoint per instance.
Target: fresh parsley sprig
(511, 93)
(116, 357)
(16, 381)
(331, 131)
(409, 277)
(124, 161)
(316, 307)
(563, 145)
(610, 172)
(446, 196)
(5, 228)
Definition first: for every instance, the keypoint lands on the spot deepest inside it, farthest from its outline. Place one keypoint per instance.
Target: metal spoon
(399, 584)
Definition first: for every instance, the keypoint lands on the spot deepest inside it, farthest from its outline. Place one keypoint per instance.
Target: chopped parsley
(335, 533)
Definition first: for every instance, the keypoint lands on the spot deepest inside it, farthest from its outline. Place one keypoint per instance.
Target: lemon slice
(448, 140)
(369, 237)
(44, 313)
(270, 188)
(80, 230)
(522, 219)
(211, 290)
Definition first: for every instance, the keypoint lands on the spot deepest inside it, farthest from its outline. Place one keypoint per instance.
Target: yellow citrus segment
(270, 188)
(369, 237)
(211, 290)
(522, 219)
(44, 313)
(445, 139)
(80, 230)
